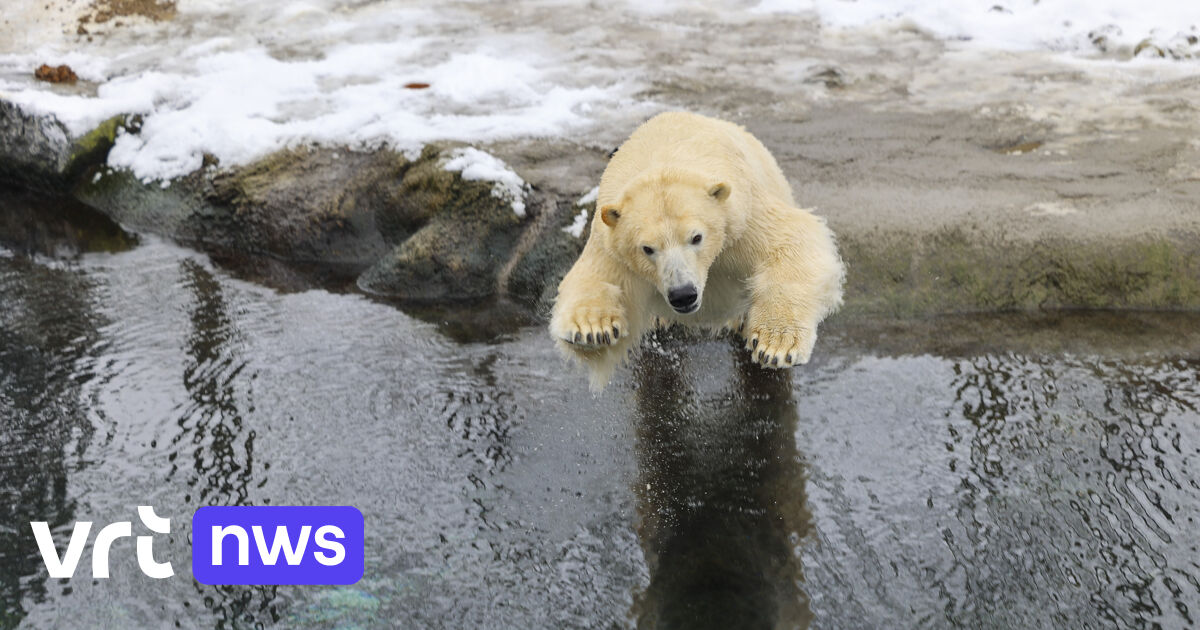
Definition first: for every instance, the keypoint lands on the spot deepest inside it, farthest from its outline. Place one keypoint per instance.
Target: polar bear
(695, 224)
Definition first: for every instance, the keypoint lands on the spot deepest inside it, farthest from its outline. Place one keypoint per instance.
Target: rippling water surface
(966, 473)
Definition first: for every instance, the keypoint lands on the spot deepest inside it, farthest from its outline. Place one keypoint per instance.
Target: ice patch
(476, 165)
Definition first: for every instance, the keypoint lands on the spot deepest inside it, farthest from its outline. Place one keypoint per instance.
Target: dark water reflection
(49, 337)
(1004, 472)
(58, 227)
(721, 498)
(214, 446)
(45, 339)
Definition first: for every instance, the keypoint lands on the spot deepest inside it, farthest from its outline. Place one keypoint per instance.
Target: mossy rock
(310, 204)
(419, 231)
(304, 205)
(37, 152)
(146, 206)
(534, 279)
(957, 271)
(453, 236)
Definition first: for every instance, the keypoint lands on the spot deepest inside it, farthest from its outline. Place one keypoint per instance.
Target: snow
(238, 80)
(476, 165)
(577, 226)
(242, 105)
(1061, 25)
(588, 197)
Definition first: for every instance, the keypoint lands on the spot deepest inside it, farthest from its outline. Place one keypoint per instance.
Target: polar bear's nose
(682, 298)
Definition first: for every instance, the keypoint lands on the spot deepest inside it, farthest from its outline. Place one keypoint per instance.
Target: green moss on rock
(91, 149)
(462, 235)
(958, 271)
(310, 205)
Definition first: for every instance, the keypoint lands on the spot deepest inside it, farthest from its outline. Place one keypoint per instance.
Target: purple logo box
(277, 544)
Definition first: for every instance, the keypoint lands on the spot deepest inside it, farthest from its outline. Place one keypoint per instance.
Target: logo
(277, 545)
(64, 566)
(231, 545)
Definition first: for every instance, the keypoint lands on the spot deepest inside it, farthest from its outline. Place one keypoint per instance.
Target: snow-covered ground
(1080, 26)
(238, 80)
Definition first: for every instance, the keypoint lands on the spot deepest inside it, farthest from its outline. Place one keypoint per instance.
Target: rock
(55, 74)
(148, 207)
(829, 76)
(453, 236)
(958, 271)
(412, 229)
(37, 152)
(306, 205)
(1148, 47)
(419, 232)
(533, 279)
(934, 213)
(102, 11)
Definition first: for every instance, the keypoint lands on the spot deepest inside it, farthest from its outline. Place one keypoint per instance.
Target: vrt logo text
(64, 567)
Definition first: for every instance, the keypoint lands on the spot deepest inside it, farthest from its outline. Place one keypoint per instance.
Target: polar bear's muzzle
(684, 299)
(678, 281)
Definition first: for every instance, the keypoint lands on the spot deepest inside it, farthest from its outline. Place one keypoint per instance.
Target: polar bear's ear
(720, 191)
(609, 215)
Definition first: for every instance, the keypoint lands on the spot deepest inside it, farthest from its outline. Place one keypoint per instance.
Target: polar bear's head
(669, 229)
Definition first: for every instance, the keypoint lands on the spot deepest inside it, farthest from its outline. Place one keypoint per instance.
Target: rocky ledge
(934, 213)
(405, 227)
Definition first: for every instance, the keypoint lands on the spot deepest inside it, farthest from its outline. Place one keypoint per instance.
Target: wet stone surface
(970, 472)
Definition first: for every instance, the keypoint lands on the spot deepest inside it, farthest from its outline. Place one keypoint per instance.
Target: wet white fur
(777, 269)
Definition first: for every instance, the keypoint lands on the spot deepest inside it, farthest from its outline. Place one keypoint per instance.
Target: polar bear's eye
(649, 250)
(697, 238)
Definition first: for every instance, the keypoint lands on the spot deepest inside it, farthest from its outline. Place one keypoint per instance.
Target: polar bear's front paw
(780, 348)
(591, 328)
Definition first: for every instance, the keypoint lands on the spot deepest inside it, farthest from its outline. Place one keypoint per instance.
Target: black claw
(760, 355)
(607, 339)
(578, 337)
(616, 333)
(775, 360)
(789, 358)
(589, 339)
(754, 343)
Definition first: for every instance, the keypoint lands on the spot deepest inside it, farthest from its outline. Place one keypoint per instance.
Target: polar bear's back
(707, 146)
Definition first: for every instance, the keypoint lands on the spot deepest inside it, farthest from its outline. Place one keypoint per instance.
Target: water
(970, 472)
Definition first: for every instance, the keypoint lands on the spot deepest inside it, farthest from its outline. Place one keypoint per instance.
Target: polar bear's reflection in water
(721, 499)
